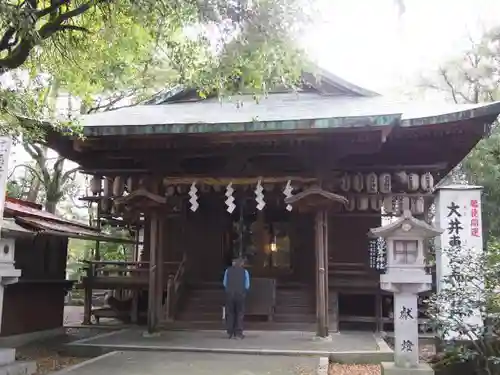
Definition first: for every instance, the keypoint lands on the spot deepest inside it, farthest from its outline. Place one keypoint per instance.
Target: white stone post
(458, 212)
(406, 328)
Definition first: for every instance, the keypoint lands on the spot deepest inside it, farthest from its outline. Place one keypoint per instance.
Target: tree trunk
(34, 190)
(50, 206)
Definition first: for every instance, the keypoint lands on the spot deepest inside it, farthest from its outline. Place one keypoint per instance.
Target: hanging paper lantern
(351, 204)
(385, 183)
(372, 183)
(105, 206)
(357, 182)
(413, 182)
(170, 190)
(401, 177)
(131, 184)
(106, 187)
(259, 196)
(114, 209)
(363, 203)
(230, 199)
(396, 205)
(405, 204)
(376, 203)
(388, 205)
(193, 197)
(118, 187)
(345, 183)
(95, 185)
(418, 205)
(427, 182)
(287, 192)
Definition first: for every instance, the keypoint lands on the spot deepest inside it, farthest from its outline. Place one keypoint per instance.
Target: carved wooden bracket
(315, 198)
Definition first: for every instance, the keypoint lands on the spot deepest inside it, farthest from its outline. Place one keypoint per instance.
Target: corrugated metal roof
(284, 111)
(16, 209)
(9, 227)
(67, 230)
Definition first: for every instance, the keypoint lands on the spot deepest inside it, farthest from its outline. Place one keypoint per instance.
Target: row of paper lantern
(390, 204)
(373, 183)
(111, 187)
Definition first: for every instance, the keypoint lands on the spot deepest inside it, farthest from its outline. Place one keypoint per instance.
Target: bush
(470, 289)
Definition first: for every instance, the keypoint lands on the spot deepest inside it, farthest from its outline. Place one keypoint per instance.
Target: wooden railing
(174, 285)
(128, 279)
(121, 268)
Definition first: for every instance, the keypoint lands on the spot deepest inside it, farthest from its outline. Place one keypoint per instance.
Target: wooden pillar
(160, 289)
(321, 274)
(153, 271)
(325, 274)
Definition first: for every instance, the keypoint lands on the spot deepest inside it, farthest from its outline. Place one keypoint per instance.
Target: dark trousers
(235, 312)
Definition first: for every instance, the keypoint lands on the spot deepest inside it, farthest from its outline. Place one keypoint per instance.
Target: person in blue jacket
(236, 284)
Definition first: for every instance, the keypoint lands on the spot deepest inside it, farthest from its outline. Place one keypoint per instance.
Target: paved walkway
(161, 363)
(254, 340)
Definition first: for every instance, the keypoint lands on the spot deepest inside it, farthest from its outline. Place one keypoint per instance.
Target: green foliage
(469, 289)
(98, 48)
(474, 78)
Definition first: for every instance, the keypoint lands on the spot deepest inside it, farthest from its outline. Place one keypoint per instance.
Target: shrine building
(293, 181)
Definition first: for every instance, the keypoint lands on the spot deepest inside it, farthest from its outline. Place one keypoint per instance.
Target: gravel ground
(338, 369)
(46, 352)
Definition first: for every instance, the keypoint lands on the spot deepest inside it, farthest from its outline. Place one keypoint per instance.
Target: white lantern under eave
(413, 182)
(385, 183)
(106, 187)
(358, 182)
(376, 203)
(427, 182)
(417, 205)
(351, 204)
(388, 206)
(118, 186)
(372, 183)
(363, 202)
(345, 183)
(95, 185)
(131, 184)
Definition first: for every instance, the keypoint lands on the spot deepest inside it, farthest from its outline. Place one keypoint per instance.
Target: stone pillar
(458, 211)
(406, 328)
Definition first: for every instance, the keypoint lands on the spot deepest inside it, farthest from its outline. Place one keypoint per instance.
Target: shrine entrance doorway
(263, 238)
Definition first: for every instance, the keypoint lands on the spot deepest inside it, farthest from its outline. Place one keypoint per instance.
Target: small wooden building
(205, 180)
(36, 302)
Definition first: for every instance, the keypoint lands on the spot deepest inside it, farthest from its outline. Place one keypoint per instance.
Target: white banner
(458, 213)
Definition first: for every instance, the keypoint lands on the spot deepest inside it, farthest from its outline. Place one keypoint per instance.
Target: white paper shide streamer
(287, 192)
(193, 197)
(259, 196)
(230, 199)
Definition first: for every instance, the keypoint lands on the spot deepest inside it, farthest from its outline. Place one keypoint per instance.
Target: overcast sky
(369, 43)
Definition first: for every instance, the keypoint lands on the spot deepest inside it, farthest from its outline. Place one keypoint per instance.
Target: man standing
(236, 283)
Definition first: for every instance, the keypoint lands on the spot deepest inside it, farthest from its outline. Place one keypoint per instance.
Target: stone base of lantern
(389, 368)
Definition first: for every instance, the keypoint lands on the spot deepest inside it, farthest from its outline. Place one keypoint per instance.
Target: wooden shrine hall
(293, 182)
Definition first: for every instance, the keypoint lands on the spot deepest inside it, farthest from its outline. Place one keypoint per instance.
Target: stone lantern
(406, 277)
